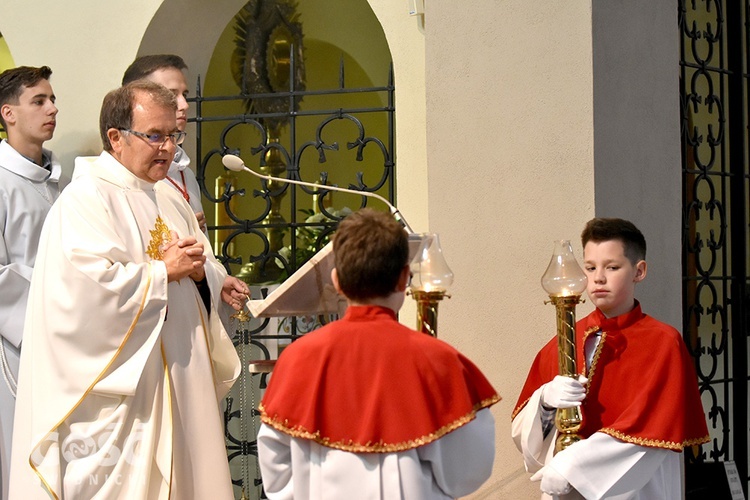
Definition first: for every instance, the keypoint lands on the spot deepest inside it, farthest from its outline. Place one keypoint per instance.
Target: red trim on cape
(366, 383)
(642, 386)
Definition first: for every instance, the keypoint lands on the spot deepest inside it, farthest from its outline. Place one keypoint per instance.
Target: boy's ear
(640, 270)
(335, 279)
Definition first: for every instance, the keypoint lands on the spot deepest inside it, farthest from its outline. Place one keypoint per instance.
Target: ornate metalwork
(293, 155)
(714, 114)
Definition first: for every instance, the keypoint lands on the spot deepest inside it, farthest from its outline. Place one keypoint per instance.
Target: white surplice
(122, 373)
(599, 466)
(452, 466)
(27, 192)
(180, 170)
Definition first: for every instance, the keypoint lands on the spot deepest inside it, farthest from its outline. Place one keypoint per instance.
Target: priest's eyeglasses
(156, 139)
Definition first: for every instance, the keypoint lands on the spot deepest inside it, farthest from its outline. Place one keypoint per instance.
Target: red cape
(368, 384)
(642, 386)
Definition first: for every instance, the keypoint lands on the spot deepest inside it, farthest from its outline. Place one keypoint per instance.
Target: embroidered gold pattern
(655, 443)
(597, 353)
(369, 447)
(160, 235)
(519, 408)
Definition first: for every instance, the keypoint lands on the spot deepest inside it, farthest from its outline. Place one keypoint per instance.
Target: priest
(125, 359)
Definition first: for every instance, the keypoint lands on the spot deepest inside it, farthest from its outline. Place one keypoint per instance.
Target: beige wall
(88, 45)
(509, 149)
(495, 144)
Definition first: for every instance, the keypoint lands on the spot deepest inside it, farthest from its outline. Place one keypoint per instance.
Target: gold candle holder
(427, 309)
(567, 420)
(565, 281)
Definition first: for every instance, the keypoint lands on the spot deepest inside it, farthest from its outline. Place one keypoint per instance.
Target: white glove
(552, 482)
(564, 392)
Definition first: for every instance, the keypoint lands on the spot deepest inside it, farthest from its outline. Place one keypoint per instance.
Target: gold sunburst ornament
(160, 236)
(266, 34)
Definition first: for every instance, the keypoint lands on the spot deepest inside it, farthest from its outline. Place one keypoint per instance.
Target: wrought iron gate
(265, 243)
(716, 287)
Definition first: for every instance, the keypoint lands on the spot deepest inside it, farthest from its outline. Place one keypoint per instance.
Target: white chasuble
(122, 373)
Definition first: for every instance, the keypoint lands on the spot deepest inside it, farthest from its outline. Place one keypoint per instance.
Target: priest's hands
(183, 257)
(564, 392)
(553, 483)
(235, 292)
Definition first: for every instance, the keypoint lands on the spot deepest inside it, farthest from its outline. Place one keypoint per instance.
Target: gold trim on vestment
(168, 386)
(160, 235)
(91, 387)
(655, 443)
(652, 443)
(597, 352)
(519, 408)
(379, 447)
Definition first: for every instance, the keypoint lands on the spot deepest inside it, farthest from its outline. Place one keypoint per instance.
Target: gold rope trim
(595, 359)
(655, 443)
(91, 387)
(380, 446)
(519, 408)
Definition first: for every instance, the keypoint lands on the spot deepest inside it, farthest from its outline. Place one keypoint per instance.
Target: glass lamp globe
(563, 277)
(430, 271)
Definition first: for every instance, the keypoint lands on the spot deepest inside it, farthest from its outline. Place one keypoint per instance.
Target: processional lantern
(565, 281)
(430, 280)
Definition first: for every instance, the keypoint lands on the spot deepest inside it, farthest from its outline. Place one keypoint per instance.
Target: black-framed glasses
(158, 139)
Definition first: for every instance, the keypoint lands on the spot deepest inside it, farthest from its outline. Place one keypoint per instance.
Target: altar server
(30, 180)
(638, 391)
(367, 408)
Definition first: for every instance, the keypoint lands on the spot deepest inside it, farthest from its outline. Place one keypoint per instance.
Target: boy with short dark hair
(638, 391)
(29, 183)
(366, 407)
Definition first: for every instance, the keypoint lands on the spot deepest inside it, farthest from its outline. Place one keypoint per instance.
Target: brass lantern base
(568, 423)
(427, 309)
(567, 420)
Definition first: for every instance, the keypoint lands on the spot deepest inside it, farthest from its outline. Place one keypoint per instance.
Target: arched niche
(339, 30)
(194, 30)
(191, 28)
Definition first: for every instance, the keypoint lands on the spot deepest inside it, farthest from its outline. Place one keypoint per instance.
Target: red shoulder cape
(368, 384)
(642, 385)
